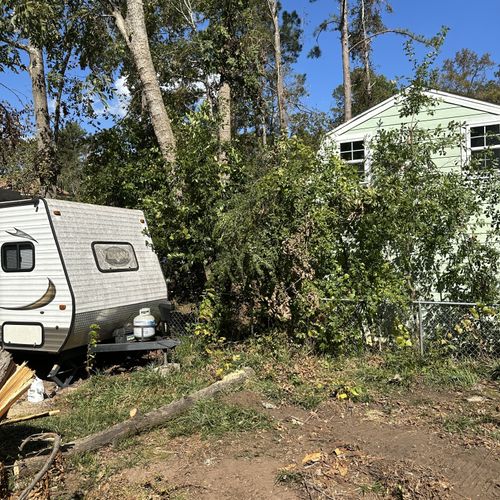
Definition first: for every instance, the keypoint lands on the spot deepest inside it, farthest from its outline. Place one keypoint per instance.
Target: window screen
(114, 256)
(18, 257)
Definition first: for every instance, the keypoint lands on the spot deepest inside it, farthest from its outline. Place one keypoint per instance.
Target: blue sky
(473, 25)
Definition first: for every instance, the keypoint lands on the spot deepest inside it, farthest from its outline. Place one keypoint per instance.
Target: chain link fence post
(421, 328)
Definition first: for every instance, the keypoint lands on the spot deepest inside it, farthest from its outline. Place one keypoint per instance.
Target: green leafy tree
(55, 38)
(308, 236)
(381, 89)
(469, 74)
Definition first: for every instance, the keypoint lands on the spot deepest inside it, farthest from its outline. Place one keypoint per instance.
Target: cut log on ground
(7, 366)
(156, 417)
(140, 423)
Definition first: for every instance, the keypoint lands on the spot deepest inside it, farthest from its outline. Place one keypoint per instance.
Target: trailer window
(113, 256)
(18, 257)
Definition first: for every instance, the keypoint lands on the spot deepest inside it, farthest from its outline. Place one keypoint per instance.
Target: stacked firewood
(15, 380)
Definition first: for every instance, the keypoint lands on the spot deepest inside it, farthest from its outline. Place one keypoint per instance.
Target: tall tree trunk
(133, 30)
(263, 125)
(224, 104)
(366, 54)
(346, 67)
(280, 87)
(46, 166)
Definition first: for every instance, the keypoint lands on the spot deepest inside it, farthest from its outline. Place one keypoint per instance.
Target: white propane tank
(144, 325)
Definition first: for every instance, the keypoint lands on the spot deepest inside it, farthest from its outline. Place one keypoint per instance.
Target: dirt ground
(393, 447)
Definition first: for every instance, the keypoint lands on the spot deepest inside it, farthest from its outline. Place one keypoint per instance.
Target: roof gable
(466, 102)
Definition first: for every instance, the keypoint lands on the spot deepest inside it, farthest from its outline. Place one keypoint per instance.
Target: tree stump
(7, 366)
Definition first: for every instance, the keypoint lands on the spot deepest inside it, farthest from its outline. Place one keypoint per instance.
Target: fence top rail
(445, 303)
(416, 302)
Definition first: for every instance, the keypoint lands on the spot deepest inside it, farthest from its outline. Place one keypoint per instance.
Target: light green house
(480, 120)
(479, 124)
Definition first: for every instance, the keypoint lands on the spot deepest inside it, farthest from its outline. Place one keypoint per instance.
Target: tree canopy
(216, 144)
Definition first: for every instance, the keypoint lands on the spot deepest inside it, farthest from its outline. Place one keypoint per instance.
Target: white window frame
(365, 139)
(468, 149)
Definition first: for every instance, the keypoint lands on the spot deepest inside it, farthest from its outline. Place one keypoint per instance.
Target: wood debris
(14, 382)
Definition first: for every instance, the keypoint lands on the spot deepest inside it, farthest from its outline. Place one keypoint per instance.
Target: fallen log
(140, 423)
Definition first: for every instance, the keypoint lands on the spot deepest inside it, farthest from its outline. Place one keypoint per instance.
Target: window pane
(475, 131)
(487, 157)
(347, 156)
(477, 142)
(345, 146)
(358, 145)
(361, 170)
(496, 157)
(26, 257)
(493, 129)
(358, 155)
(9, 257)
(492, 140)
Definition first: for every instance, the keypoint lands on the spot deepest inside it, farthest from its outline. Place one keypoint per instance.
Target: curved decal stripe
(43, 301)
(21, 234)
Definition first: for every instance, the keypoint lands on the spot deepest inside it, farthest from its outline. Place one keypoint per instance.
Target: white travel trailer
(68, 265)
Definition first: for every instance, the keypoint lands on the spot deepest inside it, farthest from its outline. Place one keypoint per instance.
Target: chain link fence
(451, 329)
(458, 329)
(182, 320)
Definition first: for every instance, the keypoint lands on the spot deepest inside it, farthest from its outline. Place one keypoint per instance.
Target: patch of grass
(213, 418)
(104, 400)
(401, 370)
(289, 476)
(89, 465)
(449, 374)
(486, 425)
(377, 488)
(288, 372)
(458, 424)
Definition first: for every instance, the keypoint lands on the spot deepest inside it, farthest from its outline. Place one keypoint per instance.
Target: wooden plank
(16, 420)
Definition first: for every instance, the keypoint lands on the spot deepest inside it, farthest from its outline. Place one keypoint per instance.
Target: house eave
(466, 102)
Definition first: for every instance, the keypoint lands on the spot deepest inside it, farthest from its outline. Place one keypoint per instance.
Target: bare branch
(13, 43)
(55, 449)
(16, 93)
(324, 26)
(188, 16)
(402, 32)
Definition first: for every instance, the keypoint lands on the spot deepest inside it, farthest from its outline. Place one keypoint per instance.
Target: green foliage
(92, 342)
(71, 150)
(308, 244)
(381, 89)
(125, 169)
(206, 327)
(473, 330)
(470, 74)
